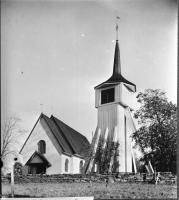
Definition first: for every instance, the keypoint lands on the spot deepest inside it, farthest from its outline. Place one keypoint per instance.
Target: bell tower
(114, 100)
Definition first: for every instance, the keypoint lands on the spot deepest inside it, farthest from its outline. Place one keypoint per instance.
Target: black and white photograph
(89, 99)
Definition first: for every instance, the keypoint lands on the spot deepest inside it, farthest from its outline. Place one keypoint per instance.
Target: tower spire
(116, 75)
(117, 61)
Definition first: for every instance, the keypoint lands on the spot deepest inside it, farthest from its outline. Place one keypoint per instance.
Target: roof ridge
(67, 138)
(54, 132)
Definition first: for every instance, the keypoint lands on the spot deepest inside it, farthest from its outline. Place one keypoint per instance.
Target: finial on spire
(117, 27)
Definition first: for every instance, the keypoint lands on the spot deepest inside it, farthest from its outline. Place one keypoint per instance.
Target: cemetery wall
(70, 178)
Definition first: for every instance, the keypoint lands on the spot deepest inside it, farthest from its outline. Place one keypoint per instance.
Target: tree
(11, 133)
(18, 168)
(139, 165)
(157, 135)
(104, 155)
(105, 152)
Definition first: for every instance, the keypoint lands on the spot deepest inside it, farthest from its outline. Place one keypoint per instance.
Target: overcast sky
(54, 53)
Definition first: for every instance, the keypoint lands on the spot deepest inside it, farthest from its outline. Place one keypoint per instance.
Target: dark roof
(41, 156)
(116, 76)
(76, 141)
(70, 141)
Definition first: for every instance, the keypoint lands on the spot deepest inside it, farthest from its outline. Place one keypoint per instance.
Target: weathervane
(117, 27)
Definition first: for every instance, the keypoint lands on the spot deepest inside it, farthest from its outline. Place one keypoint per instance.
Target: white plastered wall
(53, 150)
(75, 164)
(63, 159)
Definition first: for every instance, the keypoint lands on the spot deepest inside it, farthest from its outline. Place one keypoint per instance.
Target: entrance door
(38, 168)
(41, 168)
(32, 170)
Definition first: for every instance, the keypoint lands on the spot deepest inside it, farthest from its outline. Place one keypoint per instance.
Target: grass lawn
(98, 190)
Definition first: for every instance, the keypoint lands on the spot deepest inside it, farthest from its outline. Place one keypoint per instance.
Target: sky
(55, 52)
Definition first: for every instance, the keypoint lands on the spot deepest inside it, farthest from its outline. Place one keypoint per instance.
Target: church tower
(114, 101)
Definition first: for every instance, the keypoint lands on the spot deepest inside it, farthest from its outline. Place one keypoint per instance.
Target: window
(66, 165)
(41, 147)
(107, 96)
(81, 166)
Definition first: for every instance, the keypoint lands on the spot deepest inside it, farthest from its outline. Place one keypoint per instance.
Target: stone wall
(18, 169)
(71, 178)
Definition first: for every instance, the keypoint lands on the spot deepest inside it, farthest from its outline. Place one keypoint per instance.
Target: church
(53, 147)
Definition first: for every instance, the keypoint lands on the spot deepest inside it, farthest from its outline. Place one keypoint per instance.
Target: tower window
(41, 147)
(107, 96)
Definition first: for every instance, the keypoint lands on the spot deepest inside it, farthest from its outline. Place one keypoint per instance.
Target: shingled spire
(116, 76)
(117, 61)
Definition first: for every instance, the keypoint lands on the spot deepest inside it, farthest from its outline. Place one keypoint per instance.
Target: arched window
(81, 166)
(66, 165)
(41, 147)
